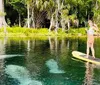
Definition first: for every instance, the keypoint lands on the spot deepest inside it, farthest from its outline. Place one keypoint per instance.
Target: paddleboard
(82, 56)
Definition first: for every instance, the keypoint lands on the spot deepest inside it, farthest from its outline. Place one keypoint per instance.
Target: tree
(51, 14)
(61, 13)
(28, 3)
(2, 14)
(19, 6)
(96, 10)
(36, 10)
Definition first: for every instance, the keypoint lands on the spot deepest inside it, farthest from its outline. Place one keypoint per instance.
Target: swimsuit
(90, 31)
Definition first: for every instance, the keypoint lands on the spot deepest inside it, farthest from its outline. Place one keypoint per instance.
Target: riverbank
(42, 32)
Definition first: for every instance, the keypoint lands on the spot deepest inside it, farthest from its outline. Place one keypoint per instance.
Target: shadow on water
(48, 62)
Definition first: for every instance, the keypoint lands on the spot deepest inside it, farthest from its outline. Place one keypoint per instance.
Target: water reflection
(3, 45)
(2, 73)
(89, 74)
(41, 56)
(2, 62)
(62, 44)
(3, 54)
(53, 42)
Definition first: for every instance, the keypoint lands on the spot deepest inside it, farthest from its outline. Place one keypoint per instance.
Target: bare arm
(95, 27)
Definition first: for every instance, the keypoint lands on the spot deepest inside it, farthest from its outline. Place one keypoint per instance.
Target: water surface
(47, 62)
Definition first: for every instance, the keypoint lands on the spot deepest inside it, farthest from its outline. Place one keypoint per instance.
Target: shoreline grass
(42, 32)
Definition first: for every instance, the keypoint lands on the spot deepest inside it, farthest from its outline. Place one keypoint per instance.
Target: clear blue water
(47, 62)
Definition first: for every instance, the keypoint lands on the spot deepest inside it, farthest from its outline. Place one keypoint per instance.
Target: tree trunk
(68, 24)
(57, 10)
(2, 14)
(96, 4)
(28, 16)
(63, 24)
(56, 21)
(19, 20)
(52, 23)
(33, 19)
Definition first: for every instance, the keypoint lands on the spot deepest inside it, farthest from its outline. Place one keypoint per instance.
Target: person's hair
(92, 23)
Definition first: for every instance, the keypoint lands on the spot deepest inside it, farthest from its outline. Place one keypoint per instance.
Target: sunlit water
(46, 62)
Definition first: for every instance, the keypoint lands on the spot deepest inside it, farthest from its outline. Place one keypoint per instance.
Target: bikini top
(90, 31)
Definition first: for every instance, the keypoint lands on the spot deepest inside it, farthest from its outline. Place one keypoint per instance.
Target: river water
(46, 62)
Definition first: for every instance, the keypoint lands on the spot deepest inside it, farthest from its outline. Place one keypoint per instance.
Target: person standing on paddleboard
(90, 37)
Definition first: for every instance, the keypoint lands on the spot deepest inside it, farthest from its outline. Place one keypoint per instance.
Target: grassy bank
(26, 32)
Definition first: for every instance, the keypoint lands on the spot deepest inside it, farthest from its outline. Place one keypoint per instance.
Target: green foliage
(96, 11)
(77, 31)
(68, 9)
(2, 13)
(18, 5)
(26, 32)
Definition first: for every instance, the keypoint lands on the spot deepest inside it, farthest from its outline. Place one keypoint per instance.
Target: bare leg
(87, 50)
(92, 49)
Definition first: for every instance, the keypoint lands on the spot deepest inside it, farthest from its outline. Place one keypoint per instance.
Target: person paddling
(90, 37)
